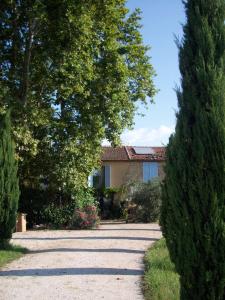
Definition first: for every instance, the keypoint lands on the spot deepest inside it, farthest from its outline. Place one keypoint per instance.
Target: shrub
(32, 201)
(59, 216)
(85, 218)
(78, 212)
(84, 197)
(109, 202)
(147, 198)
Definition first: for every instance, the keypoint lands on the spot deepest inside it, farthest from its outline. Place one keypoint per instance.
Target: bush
(85, 218)
(147, 198)
(32, 201)
(58, 216)
(109, 203)
(85, 197)
(79, 212)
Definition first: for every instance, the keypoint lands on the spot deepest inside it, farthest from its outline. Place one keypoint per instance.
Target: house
(125, 164)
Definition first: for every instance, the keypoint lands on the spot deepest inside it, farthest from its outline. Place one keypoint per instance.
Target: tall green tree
(9, 187)
(193, 209)
(74, 71)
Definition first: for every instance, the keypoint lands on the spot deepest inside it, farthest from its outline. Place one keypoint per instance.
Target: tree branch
(26, 65)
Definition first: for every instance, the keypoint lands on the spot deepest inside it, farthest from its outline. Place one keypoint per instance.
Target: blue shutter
(153, 170)
(150, 170)
(107, 176)
(146, 173)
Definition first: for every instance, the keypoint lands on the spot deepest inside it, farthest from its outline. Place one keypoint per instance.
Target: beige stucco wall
(123, 172)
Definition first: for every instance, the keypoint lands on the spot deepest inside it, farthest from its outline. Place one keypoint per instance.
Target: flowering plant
(85, 218)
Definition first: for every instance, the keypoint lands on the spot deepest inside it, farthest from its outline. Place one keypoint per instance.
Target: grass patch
(161, 282)
(11, 253)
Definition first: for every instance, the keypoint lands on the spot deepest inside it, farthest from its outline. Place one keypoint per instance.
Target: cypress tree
(9, 188)
(193, 208)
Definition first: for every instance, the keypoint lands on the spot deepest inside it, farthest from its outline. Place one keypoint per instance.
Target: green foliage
(161, 282)
(10, 253)
(32, 201)
(85, 197)
(73, 87)
(108, 192)
(46, 206)
(58, 216)
(109, 203)
(147, 198)
(193, 214)
(9, 188)
(62, 213)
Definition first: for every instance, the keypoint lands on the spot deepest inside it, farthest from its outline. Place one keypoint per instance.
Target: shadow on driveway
(126, 229)
(71, 271)
(89, 238)
(112, 250)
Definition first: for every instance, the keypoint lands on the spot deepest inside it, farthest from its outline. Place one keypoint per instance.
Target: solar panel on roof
(143, 150)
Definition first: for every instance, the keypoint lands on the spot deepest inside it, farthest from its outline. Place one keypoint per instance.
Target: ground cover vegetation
(193, 214)
(161, 282)
(9, 253)
(72, 73)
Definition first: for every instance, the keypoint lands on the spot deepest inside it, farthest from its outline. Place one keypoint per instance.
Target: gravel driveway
(86, 265)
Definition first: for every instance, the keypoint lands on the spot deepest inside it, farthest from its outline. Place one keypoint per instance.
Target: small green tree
(147, 197)
(193, 206)
(9, 188)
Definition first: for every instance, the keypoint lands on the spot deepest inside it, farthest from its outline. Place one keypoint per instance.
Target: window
(100, 178)
(150, 171)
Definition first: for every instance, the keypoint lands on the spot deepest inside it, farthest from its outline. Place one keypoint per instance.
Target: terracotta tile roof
(118, 153)
(126, 153)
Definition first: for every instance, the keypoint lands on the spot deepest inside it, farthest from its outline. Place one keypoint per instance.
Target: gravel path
(85, 265)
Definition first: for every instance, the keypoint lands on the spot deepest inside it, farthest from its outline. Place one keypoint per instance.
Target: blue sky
(161, 20)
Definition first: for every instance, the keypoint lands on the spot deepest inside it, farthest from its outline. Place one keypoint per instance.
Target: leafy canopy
(73, 72)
